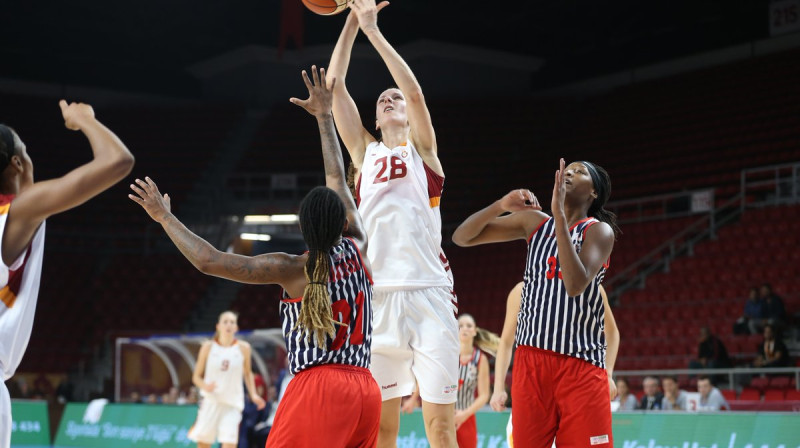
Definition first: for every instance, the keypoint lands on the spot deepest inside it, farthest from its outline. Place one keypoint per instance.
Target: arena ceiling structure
(147, 46)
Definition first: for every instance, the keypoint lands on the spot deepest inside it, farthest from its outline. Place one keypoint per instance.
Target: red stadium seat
(774, 395)
(750, 395)
(759, 383)
(792, 394)
(779, 382)
(729, 394)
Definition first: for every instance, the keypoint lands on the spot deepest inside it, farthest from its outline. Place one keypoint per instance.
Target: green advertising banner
(30, 425)
(125, 425)
(649, 430)
(140, 425)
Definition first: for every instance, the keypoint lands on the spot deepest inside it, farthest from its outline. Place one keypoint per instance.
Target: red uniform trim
(361, 260)
(435, 182)
(530, 237)
(579, 222)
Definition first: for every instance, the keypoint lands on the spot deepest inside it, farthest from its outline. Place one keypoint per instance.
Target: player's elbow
(460, 238)
(121, 165)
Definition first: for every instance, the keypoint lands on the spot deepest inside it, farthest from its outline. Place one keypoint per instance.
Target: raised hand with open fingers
(519, 200)
(75, 114)
(151, 200)
(320, 95)
(559, 190)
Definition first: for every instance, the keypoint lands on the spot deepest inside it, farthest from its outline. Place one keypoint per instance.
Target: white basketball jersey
(225, 367)
(398, 198)
(19, 290)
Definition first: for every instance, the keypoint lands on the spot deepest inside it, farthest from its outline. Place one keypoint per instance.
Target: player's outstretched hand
(320, 96)
(559, 190)
(151, 200)
(75, 114)
(519, 200)
(498, 401)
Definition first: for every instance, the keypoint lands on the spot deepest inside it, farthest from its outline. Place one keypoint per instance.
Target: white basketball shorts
(216, 422)
(415, 335)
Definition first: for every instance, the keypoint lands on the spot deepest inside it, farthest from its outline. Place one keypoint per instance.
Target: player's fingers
(63, 105)
(152, 184)
(299, 102)
(307, 81)
(382, 5)
(143, 185)
(138, 191)
(136, 199)
(333, 83)
(315, 74)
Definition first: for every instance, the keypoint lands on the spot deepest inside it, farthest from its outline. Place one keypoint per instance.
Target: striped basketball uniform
(416, 332)
(19, 290)
(220, 411)
(332, 387)
(560, 350)
(467, 433)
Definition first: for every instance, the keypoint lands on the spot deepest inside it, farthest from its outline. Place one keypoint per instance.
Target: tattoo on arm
(191, 246)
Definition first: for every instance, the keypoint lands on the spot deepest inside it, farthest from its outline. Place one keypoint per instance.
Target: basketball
(326, 7)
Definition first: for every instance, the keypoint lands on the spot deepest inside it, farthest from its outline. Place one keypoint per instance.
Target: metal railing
(770, 185)
(681, 243)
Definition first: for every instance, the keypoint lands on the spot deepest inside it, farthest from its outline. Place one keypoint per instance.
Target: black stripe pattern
(548, 318)
(350, 290)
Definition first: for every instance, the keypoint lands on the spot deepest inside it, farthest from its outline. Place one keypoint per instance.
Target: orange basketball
(326, 7)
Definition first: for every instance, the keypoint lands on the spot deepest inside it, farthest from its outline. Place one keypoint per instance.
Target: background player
(399, 186)
(24, 206)
(473, 372)
(222, 364)
(327, 318)
(561, 390)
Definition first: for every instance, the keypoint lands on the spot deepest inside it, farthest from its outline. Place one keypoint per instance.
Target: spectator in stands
(711, 352)
(711, 398)
(774, 311)
(170, 397)
(134, 397)
(772, 352)
(674, 398)
(627, 401)
(651, 401)
(191, 397)
(753, 314)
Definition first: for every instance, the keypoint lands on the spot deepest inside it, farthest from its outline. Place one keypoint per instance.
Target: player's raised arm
(488, 226)
(578, 270)
(111, 163)
(345, 113)
(318, 104)
(419, 118)
(275, 268)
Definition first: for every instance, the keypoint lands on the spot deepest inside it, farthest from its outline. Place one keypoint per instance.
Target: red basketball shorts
(329, 405)
(559, 397)
(467, 434)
